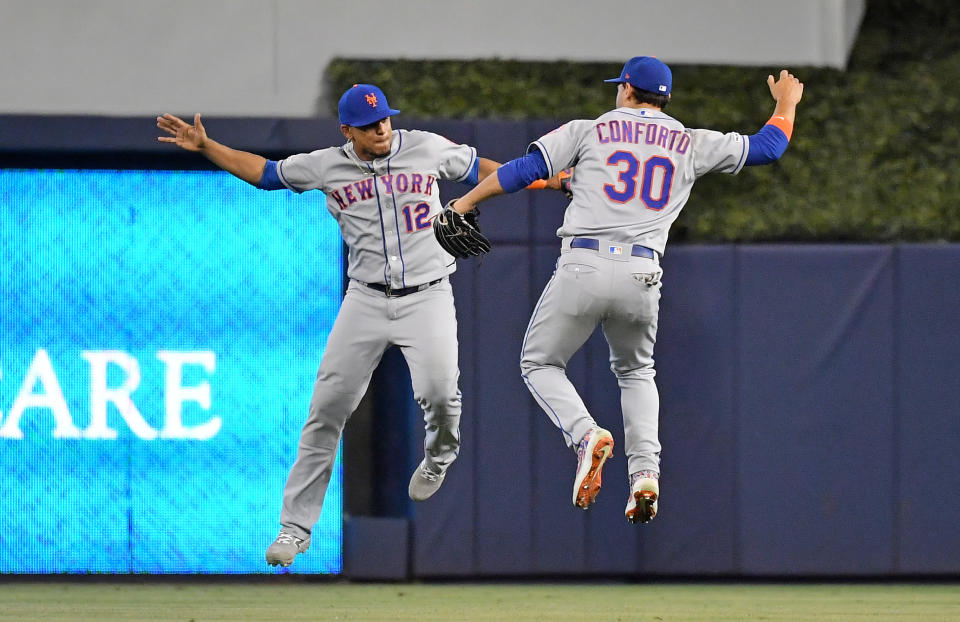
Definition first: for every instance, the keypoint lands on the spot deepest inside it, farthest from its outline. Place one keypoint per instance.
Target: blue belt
(400, 291)
(638, 251)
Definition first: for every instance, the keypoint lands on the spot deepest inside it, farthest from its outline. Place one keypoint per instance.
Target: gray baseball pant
(622, 293)
(424, 326)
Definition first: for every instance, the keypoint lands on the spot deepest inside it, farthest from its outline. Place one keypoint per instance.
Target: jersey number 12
(417, 218)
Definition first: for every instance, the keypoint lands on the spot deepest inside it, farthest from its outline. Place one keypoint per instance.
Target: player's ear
(345, 130)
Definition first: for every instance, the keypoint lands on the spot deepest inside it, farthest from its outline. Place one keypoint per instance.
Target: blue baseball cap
(647, 73)
(363, 104)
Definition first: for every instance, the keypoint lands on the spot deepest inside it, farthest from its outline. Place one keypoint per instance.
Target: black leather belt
(396, 292)
(638, 251)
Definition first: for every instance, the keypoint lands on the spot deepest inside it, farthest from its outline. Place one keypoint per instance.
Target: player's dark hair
(649, 97)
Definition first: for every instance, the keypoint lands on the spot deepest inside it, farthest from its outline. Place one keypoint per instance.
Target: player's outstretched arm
(529, 171)
(558, 182)
(247, 166)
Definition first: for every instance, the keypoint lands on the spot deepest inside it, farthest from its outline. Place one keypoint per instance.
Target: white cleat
(424, 482)
(285, 548)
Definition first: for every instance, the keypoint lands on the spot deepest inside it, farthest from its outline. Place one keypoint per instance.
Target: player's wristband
(538, 184)
(782, 124)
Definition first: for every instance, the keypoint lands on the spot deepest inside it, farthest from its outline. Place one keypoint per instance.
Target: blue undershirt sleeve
(473, 177)
(270, 180)
(519, 172)
(767, 145)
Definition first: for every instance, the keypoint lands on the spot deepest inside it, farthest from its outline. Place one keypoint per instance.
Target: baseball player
(382, 188)
(633, 171)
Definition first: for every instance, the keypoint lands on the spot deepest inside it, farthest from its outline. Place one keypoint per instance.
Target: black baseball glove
(459, 234)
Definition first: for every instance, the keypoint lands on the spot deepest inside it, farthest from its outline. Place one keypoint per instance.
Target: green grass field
(501, 602)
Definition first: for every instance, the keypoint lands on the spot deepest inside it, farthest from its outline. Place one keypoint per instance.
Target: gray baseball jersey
(383, 208)
(633, 172)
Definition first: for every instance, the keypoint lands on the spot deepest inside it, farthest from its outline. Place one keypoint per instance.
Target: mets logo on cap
(363, 104)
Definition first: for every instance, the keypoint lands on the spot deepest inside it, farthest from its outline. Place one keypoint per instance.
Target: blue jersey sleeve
(767, 145)
(519, 172)
(270, 180)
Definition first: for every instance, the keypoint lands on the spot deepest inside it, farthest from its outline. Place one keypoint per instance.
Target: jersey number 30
(655, 182)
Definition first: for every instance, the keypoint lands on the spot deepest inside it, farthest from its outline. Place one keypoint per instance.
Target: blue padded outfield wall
(809, 421)
(159, 336)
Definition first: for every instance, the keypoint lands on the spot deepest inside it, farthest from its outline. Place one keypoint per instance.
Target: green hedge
(872, 157)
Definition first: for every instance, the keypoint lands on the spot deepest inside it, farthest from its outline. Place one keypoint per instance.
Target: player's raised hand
(190, 137)
(788, 89)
